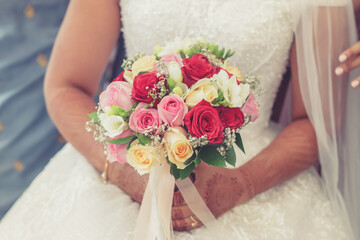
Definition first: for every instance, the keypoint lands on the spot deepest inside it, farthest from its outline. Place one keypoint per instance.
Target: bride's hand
(220, 188)
(128, 180)
(350, 59)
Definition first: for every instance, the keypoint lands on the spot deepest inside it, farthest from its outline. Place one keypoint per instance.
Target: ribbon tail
(198, 206)
(154, 220)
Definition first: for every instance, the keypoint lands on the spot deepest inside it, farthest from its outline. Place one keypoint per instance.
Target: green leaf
(190, 159)
(121, 141)
(142, 72)
(171, 83)
(184, 173)
(121, 112)
(239, 142)
(220, 53)
(150, 105)
(134, 106)
(143, 139)
(174, 171)
(231, 54)
(182, 54)
(197, 159)
(94, 116)
(227, 54)
(212, 157)
(216, 47)
(231, 156)
(191, 52)
(129, 145)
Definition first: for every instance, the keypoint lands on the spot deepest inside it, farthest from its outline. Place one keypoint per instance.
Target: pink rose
(118, 152)
(166, 59)
(142, 119)
(117, 93)
(251, 108)
(172, 110)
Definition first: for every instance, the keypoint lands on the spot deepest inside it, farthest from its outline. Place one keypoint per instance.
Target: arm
(81, 52)
(293, 151)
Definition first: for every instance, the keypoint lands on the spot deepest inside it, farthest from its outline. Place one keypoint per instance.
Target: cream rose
(144, 158)
(178, 146)
(129, 77)
(204, 89)
(234, 71)
(143, 64)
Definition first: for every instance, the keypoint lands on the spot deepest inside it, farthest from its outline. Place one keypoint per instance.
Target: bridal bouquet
(180, 106)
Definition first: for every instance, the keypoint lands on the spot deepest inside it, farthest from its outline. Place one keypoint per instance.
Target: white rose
(113, 124)
(175, 72)
(234, 93)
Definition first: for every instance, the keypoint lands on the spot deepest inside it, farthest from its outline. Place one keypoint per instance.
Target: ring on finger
(194, 222)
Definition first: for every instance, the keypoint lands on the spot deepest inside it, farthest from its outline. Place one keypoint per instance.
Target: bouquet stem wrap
(154, 220)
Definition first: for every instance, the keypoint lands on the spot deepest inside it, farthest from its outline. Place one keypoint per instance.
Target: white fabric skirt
(68, 201)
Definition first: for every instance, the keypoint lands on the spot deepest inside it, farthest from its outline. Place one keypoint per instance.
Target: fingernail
(339, 71)
(342, 58)
(355, 83)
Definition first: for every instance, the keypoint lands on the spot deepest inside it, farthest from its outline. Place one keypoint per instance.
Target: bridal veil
(323, 29)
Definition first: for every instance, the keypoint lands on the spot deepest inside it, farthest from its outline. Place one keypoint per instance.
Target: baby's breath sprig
(97, 130)
(159, 91)
(156, 139)
(255, 84)
(127, 63)
(229, 141)
(212, 58)
(161, 70)
(198, 142)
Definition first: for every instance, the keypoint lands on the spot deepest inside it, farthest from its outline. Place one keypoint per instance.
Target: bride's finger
(355, 83)
(186, 224)
(178, 199)
(347, 66)
(181, 212)
(350, 52)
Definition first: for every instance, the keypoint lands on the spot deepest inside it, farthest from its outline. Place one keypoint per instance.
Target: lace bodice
(260, 31)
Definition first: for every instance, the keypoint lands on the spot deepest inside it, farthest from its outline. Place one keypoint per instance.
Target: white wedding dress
(68, 199)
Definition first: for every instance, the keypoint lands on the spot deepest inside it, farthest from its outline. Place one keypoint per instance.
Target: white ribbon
(154, 220)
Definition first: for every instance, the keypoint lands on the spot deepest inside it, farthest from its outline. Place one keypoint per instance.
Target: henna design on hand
(222, 193)
(248, 183)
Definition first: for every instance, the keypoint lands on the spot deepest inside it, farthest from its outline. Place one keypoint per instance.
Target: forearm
(292, 152)
(68, 107)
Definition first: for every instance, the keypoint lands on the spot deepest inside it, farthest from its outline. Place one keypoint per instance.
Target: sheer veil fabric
(323, 29)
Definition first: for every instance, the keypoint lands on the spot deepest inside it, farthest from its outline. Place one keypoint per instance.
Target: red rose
(204, 119)
(120, 77)
(143, 85)
(232, 118)
(195, 68)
